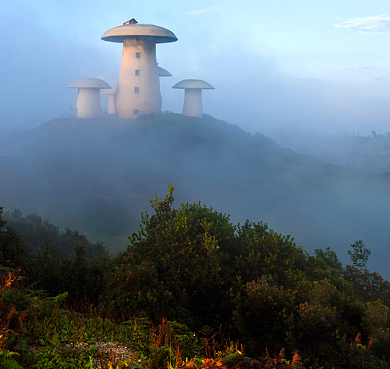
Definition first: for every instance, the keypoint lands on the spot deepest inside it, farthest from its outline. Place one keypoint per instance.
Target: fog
(295, 96)
(98, 175)
(261, 85)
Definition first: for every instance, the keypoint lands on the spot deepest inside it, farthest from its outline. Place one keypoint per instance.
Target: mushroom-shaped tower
(193, 96)
(111, 97)
(88, 98)
(138, 88)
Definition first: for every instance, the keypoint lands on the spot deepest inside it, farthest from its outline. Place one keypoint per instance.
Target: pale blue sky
(275, 64)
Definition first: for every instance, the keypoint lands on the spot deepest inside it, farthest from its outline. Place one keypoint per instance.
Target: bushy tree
(262, 251)
(36, 232)
(14, 253)
(369, 285)
(39, 233)
(132, 288)
(81, 277)
(188, 247)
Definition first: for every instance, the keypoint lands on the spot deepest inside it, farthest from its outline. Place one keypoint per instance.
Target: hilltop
(97, 176)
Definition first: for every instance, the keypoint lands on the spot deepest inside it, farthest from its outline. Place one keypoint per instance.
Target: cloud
(352, 67)
(196, 12)
(378, 24)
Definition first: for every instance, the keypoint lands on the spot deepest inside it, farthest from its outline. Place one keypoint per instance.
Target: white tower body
(88, 97)
(138, 88)
(111, 104)
(111, 98)
(193, 106)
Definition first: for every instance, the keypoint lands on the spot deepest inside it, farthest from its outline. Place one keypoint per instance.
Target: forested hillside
(371, 153)
(97, 175)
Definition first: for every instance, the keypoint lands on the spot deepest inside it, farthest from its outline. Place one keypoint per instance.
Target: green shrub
(14, 253)
(187, 247)
(134, 289)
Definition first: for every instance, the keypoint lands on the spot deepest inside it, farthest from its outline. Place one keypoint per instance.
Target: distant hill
(97, 176)
(371, 154)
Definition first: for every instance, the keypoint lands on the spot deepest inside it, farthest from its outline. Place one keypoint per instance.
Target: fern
(6, 360)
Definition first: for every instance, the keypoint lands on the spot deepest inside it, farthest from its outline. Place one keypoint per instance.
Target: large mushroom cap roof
(89, 83)
(134, 30)
(193, 83)
(109, 92)
(163, 72)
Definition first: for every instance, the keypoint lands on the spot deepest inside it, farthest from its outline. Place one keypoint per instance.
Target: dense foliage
(38, 233)
(191, 285)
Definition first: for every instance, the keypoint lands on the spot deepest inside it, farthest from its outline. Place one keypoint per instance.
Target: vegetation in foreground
(191, 290)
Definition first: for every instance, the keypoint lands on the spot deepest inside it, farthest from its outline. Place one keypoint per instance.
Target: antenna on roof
(131, 21)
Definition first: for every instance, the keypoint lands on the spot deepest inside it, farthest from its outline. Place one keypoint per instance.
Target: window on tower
(137, 72)
(137, 55)
(136, 90)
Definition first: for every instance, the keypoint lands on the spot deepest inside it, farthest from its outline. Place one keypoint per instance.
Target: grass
(62, 337)
(56, 335)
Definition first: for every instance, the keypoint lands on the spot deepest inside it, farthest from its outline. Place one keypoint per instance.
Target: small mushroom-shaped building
(192, 106)
(163, 72)
(111, 98)
(138, 88)
(88, 97)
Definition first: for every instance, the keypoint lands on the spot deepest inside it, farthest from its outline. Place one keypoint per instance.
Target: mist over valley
(98, 175)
